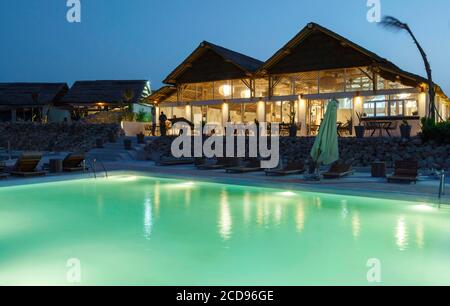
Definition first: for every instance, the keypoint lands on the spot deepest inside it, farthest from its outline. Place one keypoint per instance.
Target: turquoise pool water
(149, 231)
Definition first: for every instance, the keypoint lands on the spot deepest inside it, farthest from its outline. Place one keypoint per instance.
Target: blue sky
(146, 39)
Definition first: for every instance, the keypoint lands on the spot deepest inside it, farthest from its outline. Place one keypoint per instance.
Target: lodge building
(218, 85)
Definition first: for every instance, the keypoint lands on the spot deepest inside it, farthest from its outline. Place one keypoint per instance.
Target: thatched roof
(162, 94)
(31, 94)
(317, 48)
(86, 93)
(210, 62)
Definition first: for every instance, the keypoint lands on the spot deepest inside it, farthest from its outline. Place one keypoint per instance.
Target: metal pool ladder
(441, 184)
(93, 165)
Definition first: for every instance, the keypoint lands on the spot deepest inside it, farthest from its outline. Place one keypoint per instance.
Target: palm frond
(393, 23)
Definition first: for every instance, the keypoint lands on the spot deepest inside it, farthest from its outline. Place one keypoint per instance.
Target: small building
(91, 97)
(32, 102)
(218, 85)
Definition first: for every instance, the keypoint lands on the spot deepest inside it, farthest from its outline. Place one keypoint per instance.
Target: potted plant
(350, 126)
(360, 129)
(405, 130)
(292, 126)
(127, 144)
(140, 138)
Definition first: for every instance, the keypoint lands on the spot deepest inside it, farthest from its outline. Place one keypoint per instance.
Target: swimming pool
(137, 230)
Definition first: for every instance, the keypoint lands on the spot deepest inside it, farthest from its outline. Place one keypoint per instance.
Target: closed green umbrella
(326, 149)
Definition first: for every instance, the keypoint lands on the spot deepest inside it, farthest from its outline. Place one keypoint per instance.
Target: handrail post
(95, 167)
(442, 184)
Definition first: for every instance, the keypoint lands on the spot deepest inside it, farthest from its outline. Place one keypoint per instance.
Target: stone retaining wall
(363, 151)
(56, 137)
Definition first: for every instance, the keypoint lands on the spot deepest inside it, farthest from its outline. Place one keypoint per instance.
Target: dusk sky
(147, 39)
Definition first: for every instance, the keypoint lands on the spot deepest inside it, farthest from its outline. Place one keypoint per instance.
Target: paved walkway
(359, 184)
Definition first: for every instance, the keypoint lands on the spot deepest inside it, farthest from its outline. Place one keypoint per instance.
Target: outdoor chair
(215, 164)
(246, 166)
(26, 166)
(170, 160)
(74, 162)
(338, 170)
(288, 168)
(405, 172)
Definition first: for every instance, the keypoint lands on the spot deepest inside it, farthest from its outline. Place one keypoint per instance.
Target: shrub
(437, 132)
(142, 116)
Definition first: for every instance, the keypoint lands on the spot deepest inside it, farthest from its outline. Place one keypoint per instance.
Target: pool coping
(240, 181)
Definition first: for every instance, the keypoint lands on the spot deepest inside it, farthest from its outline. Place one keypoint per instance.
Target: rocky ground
(56, 137)
(362, 151)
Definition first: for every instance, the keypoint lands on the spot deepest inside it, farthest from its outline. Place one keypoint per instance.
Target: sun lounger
(171, 161)
(285, 169)
(338, 170)
(73, 162)
(405, 172)
(250, 165)
(215, 164)
(26, 166)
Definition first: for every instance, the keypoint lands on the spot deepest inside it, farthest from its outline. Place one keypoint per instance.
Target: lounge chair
(215, 164)
(246, 166)
(2, 168)
(26, 166)
(338, 170)
(74, 162)
(405, 172)
(171, 161)
(285, 169)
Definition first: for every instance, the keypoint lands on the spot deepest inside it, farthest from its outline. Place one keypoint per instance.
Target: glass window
(179, 112)
(286, 111)
(273, 112)
(411, 108)
(283, 87)
(369, 109)
(197, 114)
(262, 87)
(249, 112)
(214, 114)
(307, 83)
(235, 112)
(223, 90)
(167, 111)
(358, 79)
(205, 91)
(241, 90)
(332, 81)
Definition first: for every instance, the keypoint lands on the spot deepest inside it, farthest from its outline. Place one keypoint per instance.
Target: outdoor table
(56, 165)
(379, 169)
(380, 126)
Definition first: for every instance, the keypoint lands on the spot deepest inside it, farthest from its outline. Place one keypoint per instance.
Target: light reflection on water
(300, 217)
(148, 218)
(225, 220)
(153, 223)
(274, 211)
(356, 224)
(401, 234)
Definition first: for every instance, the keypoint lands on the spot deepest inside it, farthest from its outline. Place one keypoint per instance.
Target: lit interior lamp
(245, 94)
(225, 90)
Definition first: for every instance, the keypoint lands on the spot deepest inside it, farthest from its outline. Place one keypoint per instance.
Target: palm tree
(396, 25)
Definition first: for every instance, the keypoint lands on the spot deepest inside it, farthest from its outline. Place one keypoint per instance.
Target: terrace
(217, 85)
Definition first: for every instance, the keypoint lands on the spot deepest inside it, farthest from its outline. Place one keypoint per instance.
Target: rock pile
(362, 151)
(55, 137)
